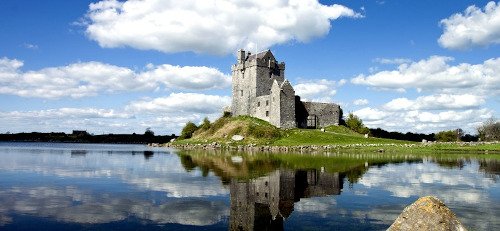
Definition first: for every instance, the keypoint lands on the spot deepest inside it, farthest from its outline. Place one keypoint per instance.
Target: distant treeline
(418, 137)
(84, 137)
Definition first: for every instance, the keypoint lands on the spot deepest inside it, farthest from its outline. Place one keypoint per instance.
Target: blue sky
(124, 66)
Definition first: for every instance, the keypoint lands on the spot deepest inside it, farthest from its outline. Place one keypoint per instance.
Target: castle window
(258, 104)
(267, 113)
(241, 92)
(267, 102)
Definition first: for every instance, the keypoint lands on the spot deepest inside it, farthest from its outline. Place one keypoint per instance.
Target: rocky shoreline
(310, 148)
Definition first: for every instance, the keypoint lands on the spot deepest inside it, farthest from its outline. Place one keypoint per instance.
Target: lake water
(52, 186)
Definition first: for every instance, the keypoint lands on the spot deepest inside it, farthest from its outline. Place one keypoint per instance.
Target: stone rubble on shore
(307, 148)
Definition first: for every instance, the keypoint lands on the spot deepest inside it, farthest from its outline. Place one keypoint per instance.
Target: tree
(489, 130)
(356, 124)
(446, 136)
(341, 116)
(205, 125)
(188, 130)
(226, 114)
(149, 132)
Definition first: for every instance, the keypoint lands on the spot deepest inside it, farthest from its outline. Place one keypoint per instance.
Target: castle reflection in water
(263, 203)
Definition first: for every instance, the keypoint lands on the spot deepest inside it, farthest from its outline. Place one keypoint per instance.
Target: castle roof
(259, 55)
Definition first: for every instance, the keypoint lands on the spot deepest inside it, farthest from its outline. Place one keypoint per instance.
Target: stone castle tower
(261, 90)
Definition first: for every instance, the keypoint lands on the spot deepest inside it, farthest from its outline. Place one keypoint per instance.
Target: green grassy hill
(260, 132)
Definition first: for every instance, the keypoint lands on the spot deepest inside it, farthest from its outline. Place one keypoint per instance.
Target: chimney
(241, 55)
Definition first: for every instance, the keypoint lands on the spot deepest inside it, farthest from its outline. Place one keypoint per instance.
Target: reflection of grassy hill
(251, 166)
(257, 131)
(224, 166)
(227, 165)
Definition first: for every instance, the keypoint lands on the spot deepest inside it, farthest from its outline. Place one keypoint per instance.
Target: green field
(259, 132)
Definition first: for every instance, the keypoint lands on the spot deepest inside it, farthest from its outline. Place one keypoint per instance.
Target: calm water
(131, 187)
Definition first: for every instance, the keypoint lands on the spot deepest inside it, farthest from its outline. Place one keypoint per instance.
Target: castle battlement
(259, 89)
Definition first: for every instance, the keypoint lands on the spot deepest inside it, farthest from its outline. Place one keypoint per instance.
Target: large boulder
(427, 213)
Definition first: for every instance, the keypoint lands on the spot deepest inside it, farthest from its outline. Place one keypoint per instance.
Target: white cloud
(436, 102)
(423, 121)
(182, 102)
(165, 115)
(187, 77)
(371, 114)
(321, 90)
(30, 46)
(435, 74)
(92, 78)
(68, 113)
(360, 102)
(473, 27)
(392, 61)
(210, 26)
(66, 119)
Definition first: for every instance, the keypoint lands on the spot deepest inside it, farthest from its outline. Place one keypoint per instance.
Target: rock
(236, 159)
(427, 213)
(237, 137)
(424, 141)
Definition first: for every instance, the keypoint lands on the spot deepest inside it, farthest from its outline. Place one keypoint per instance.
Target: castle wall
(326, 113)
(275, 116)
(243, 87)
(240, 96)
(287, 105)
(267, 71)
(242, 206)
(262, 109)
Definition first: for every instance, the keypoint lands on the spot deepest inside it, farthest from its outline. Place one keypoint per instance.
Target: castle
(261, 90)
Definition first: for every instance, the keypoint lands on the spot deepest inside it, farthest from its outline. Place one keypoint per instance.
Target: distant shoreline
(84, 137)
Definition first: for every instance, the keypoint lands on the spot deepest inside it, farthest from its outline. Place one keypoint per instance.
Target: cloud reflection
(70, 204)
(466, 190)
(162, 173)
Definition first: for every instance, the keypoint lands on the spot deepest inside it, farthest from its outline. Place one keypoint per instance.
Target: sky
(124, 66)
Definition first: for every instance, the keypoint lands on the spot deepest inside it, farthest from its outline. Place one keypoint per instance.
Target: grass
(255, 131)
(317, 137)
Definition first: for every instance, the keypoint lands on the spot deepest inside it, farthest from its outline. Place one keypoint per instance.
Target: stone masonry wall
(287, 113)
(327, 113)
(262, 108)
(275, 116)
